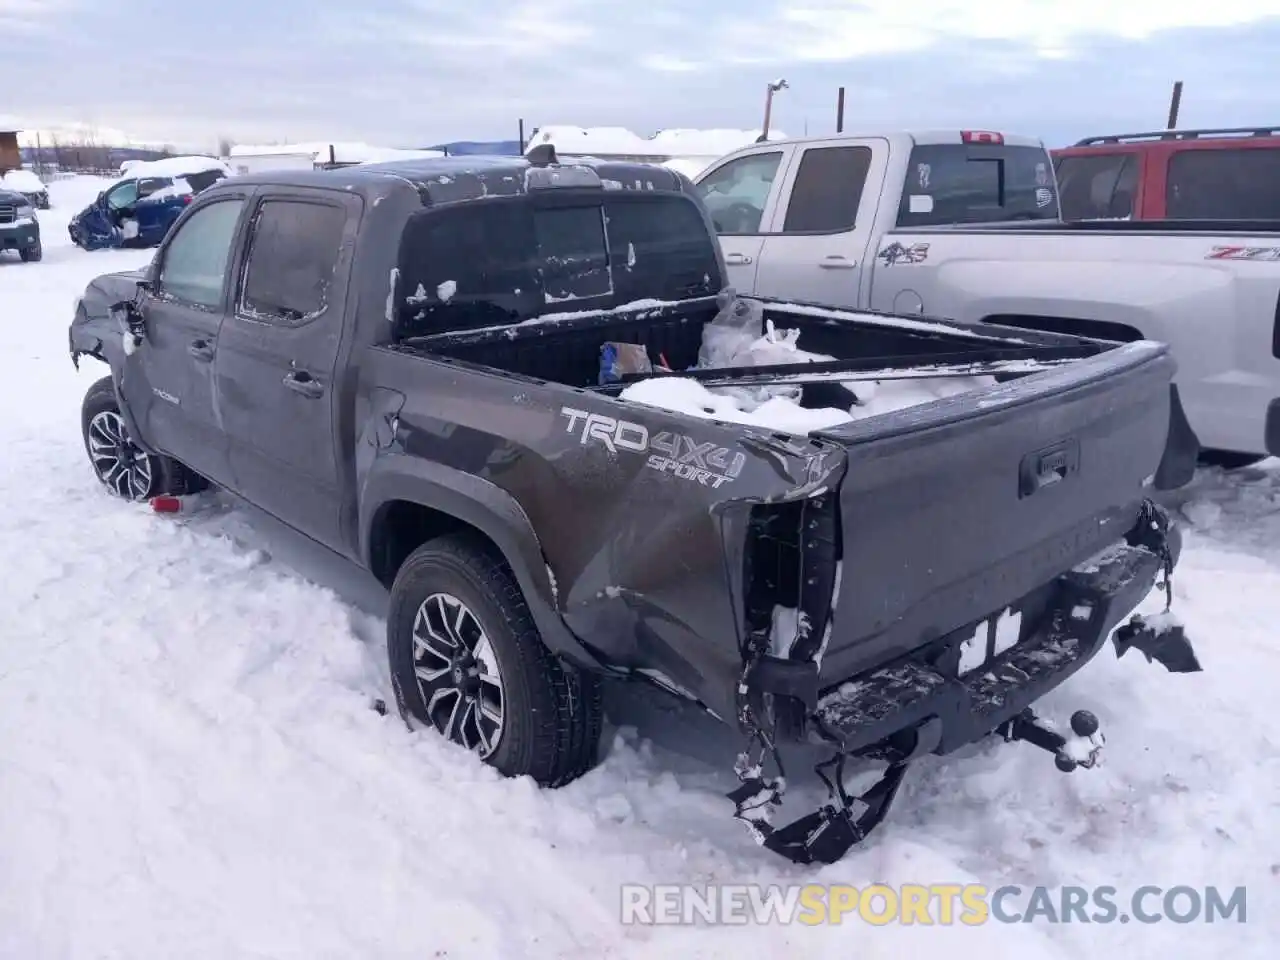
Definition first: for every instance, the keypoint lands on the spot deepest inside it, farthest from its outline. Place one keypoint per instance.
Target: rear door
(1240, 182)
(168, 381)
(278, 353)
(740, 194)
(821, 227)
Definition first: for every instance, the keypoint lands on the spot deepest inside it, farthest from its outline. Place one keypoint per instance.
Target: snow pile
(23, 181)
(174, 167)
(342, 152)
(733, 339)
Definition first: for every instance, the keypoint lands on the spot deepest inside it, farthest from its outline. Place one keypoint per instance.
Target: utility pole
(774, 87)
(840, 111)
(1174, 103)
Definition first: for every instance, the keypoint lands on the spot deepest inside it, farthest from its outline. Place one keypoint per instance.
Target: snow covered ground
(189, 765)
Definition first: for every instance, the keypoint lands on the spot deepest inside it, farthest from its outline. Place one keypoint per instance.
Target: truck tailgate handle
(1048, 466)
(303, 383)
(202, 350)
(837, 262)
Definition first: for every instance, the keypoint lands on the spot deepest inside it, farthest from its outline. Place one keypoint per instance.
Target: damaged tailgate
(956, 511)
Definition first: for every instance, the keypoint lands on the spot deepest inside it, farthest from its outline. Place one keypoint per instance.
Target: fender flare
(487, 508)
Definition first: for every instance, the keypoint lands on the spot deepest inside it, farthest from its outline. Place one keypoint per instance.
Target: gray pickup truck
(438, 369)
(966, 225)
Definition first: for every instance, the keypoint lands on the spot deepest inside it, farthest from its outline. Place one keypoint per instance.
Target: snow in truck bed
(190, 768)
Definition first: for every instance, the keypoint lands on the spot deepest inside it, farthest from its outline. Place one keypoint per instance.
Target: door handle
(737, 259)
(303, 383)
(202, 350)
(837, 262)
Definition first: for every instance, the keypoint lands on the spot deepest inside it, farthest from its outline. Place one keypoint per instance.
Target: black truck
(403, 362)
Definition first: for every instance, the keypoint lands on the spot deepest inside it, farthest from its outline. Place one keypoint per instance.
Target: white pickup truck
(966, 225)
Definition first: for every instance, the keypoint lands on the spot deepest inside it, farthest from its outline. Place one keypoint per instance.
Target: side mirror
(127, 315)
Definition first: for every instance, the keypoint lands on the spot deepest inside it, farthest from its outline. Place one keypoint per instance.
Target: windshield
(979, 183)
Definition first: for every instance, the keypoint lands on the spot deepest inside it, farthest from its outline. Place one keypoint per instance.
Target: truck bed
(945, 514)
(565, 348)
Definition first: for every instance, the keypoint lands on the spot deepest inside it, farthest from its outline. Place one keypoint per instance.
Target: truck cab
(803, 218)
(1224, 174)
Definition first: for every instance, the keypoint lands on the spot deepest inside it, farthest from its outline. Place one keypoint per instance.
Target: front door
(277, 358)
(168, 381)
(823, 224)
(739, 194)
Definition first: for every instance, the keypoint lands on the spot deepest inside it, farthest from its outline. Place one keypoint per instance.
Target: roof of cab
(450, 179)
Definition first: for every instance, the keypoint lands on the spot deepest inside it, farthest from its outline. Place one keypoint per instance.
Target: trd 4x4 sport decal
(674, 453)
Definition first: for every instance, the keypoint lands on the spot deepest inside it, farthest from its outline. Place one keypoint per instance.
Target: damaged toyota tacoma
(521, 393)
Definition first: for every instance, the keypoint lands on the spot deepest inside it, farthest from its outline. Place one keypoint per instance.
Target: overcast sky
(415, 72)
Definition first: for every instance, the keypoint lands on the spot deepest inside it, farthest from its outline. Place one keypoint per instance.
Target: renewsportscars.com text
(929, 904)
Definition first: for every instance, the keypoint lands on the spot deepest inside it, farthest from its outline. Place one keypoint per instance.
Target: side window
(203, 180)
(1224, 185)
(293, 253)
(736, 194)
(194, 267)
(827, 190)
(1097, 187)
(150, 185)
(125, 195)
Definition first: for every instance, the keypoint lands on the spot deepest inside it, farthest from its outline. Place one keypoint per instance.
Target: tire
(108, 444)
(32, 254)
(1230, 459)
(551, 712)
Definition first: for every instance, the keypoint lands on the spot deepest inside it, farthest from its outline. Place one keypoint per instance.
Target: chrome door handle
(837, 262)
(737, 259)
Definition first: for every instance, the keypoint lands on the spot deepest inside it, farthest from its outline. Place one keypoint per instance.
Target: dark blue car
(138, 210)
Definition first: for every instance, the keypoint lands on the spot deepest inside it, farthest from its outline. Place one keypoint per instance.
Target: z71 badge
(677, 454)
(1264, 254)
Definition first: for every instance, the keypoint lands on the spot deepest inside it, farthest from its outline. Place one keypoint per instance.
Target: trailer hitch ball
(1084, 723)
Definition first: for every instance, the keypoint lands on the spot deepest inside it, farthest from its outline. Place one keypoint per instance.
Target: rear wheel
(466, 659)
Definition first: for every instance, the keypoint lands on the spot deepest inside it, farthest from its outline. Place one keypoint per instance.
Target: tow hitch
(916, 706)
(1080, 750)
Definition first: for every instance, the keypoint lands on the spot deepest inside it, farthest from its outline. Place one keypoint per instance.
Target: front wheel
(121, 465)
(466, 659)
(33, 253)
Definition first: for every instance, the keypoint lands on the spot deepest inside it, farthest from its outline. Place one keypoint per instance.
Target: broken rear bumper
(921, 704)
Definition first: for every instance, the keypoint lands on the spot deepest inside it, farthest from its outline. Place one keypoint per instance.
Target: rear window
(1223, 185)
(1097, 186)
(495, 262)
(961, 183)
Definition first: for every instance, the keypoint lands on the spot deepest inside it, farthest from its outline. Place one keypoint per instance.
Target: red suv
(1230, 174)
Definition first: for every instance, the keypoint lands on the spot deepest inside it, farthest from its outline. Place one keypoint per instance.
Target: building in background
(10, 155)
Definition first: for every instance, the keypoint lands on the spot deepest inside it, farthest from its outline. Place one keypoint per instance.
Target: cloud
(835, 30)
(415, 72)
(31, 16)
